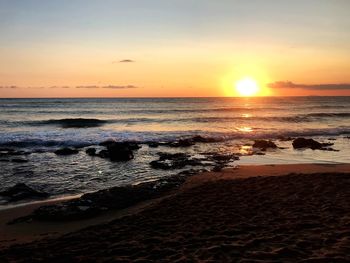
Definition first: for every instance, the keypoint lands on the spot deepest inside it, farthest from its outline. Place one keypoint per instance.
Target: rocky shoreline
(93, 204)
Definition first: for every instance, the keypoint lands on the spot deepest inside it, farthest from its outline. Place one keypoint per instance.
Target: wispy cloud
(9, 87)
(59, 87)
(120, 87)
(87, 87)
(126, 61)
(77, 87)
(107, 87)
(289, 85)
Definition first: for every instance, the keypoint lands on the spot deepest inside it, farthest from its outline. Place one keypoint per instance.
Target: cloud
(120, 87)
(9, 87)
(126, 61)
(108, 87)
(87, 87)
(291, 85)
(59, 87)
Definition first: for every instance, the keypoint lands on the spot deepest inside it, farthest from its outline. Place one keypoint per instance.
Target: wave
(83, 139)
(94, 122)
(328, 114)
(71, 122)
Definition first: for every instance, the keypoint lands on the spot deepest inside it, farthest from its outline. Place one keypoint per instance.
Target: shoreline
(27, 232)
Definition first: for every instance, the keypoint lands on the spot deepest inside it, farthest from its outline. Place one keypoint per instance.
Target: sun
(247, 87)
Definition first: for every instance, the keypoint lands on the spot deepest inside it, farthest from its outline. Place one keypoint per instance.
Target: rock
(107, 142)
(93, 204)
(133, 145)
(19, 160)
(66, 151)
(91, 151)
(199, 138)
(182, 143)
(218, 168)
(264, 144)
(168, 161)
(284, 139)
(224, 158)
(153, 144)
(21, 191)
(120, 152)
(103, 154)
(172, 156)
(310, 143)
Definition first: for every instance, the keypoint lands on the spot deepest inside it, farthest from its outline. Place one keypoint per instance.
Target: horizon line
(188, 97)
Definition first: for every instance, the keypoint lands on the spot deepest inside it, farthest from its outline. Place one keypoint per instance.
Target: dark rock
(199, 138)
(133, 145)
(22, 191)
(107, 142)
(168, 161)
(182, 143)
(264, 144)
(153, 144)
(172, 156)
(93, 204)
(19, 160)
(284, 139)
(66, 151)
(91, 151)
(218, 168)
(224, 158)
(310, 143)
(103, 154)
(120, 152)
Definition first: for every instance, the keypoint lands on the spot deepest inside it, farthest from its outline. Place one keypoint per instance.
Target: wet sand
(268, 213)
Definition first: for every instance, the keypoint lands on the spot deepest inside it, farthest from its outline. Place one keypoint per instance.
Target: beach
(268, 213)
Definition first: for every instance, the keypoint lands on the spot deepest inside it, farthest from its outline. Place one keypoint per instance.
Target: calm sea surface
(35, 125)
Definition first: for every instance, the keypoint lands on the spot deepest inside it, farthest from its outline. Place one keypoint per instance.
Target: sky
(173, 48)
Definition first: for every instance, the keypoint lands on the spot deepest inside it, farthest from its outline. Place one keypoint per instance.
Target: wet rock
(22, 191)
(300, 143)
(172, 156)
(19, 160)
(153, 144)
(182, 143)
(120, 151)
(93, 204)
(107, 142)
(264, 144)
(91, 151)
(199, 138)
(66, 151)
(224, 157)
(133, 146)
(284, 139)
(218, 168)
(103, 154)
(168, 161)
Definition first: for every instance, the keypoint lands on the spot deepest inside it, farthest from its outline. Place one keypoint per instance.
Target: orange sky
(176, 50)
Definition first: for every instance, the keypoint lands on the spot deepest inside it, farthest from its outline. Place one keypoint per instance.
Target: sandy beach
(268, 213)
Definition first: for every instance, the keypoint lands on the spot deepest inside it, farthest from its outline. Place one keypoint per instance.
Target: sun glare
(247, 87)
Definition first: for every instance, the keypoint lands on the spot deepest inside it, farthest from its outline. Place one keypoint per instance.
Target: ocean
(41, 126)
